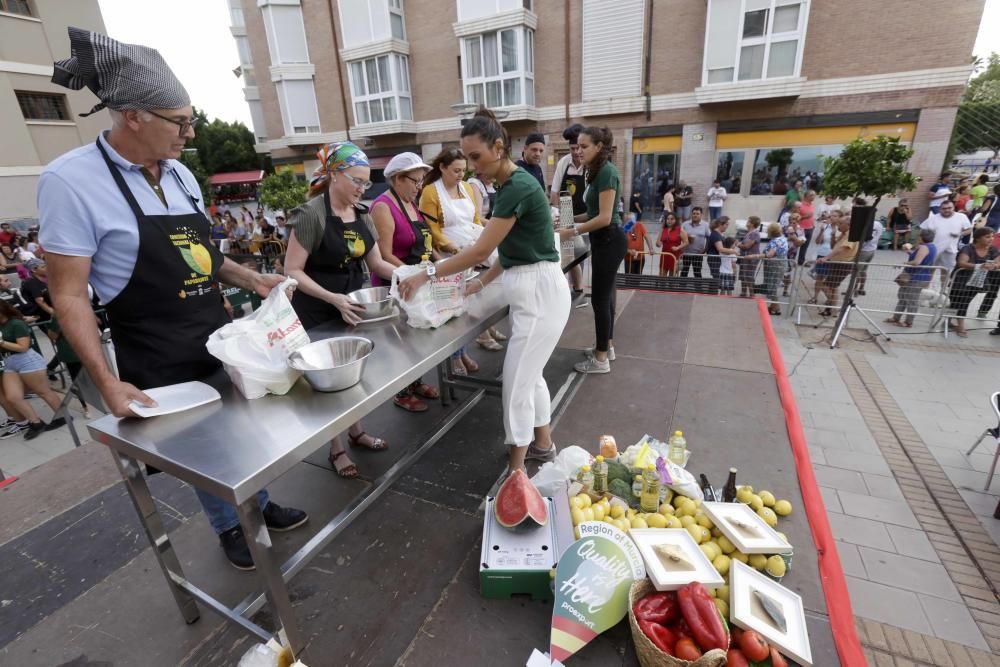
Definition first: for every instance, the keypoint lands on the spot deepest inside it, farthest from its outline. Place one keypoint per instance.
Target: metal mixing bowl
(375, 300)
(333, 364)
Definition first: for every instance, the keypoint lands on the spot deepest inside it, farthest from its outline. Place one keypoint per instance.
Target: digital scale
(519, 561)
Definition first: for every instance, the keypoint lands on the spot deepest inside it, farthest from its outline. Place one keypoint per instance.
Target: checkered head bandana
(123, 76)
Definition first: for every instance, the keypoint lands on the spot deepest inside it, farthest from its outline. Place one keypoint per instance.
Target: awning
(379, 162)
(237, 177)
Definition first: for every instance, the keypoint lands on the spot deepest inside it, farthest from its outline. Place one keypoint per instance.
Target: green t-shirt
(792, 197)
(532, 238)
(978, 193)
(14, 329)
(606, 179)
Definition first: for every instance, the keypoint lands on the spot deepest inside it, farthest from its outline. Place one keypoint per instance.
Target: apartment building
(753, 92)
(38, 120)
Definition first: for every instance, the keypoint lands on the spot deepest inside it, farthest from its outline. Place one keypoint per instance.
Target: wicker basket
(649, 655)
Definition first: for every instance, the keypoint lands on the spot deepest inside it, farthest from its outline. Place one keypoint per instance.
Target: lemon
(726, 546)
(767, 497)
(744, 494)
(695, 531)
(721, 563)
(576, 532)
(755, 502)
(638, 522)
(723, 608)
(697, 502)
(782, 508)
(680, 500)
(740, 556)
(609, 520)
(687, 521)
(687, 509)
(705, 535)
(630, 514)
(716, 532)
(775, 566)
(201, 258)
(758, 561)
(704, 521)
(656, 521)
(623, 524)
(709, 550)
(722, 592)
(768, 515)
(670, 496)
(588, 513)
(577, 515)
(674, 522)
(617, 511)
(599, 511)
(576, 503)
(667, 509)
(585, 501)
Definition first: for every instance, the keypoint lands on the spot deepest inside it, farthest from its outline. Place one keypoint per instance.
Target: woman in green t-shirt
(533, 284)
(607, 242)
(24, 370)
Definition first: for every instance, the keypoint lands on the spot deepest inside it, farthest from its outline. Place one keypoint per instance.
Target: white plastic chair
(995, 432)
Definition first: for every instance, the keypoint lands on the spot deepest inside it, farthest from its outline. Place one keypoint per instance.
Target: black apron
(574, 185)
(161, 320)
(336, 266)
(422, 242)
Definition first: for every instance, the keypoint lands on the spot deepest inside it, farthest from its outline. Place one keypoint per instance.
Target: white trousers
(539, 309)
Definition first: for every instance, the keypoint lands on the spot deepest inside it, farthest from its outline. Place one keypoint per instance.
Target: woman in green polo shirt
(607, 241)
(533, 283)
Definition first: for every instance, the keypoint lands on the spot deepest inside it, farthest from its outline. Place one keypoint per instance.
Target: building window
(469, 10)
(749, 40)
(243, 47)
(380, 88)
(249, 79)
(298, 106)
(775, 170)
(43, 106)
(257, 118)
(236, 14)
(729, 170)
(396, 22)
(286, 34)
(498, 68)
(22, 7)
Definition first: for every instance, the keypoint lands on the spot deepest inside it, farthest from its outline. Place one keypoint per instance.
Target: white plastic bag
(435, 303)
(553, 475)
(254, 350)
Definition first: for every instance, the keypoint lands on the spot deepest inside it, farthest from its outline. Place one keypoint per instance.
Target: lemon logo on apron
(196, 256)
(571, 188)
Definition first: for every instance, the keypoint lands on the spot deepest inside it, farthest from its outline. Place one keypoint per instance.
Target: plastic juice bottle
(600, 475)
(649, 501)
(678, 447)
(637, 487)
(586, 478)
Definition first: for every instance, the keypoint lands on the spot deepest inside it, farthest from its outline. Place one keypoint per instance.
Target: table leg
(259, 541)
(444, 384)
(138, 490)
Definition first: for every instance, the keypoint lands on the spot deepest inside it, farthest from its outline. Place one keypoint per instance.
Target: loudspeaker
(862, 219)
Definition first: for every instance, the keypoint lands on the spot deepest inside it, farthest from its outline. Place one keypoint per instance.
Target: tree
(224, 147)
(985, 86)
(191, 160)
(779, 159)
(282, 192)
(874, 168)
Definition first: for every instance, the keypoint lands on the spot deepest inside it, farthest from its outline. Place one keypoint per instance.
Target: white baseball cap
(404, 162)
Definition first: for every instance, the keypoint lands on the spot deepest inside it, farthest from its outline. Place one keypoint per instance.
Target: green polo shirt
(606, 179)
(532, 238)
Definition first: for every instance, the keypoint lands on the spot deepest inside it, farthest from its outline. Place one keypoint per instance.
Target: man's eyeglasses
(358, 183)
(183, 125)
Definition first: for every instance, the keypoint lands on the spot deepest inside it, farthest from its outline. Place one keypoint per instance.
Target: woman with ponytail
(607, 242)
(533, 284)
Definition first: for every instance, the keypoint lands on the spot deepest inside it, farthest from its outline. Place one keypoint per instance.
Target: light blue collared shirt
(83, 214)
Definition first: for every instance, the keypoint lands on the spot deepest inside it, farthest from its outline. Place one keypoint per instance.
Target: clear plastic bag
(435, 303)
(552, 476)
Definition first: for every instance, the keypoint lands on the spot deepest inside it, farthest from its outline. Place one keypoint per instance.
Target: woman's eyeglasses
(359, 183)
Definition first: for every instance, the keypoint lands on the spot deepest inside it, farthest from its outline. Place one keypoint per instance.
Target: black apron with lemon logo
(336, 265)
(423, 244)
(161, 320)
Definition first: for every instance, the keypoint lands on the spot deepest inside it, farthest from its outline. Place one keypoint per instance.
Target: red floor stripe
(9, 480)
(838, 601)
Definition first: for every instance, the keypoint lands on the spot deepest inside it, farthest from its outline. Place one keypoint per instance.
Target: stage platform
(400, 586)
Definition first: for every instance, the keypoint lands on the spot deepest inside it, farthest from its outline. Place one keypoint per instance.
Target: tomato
(776, 659)
(686, 650)
(735, 658)
(753, 646)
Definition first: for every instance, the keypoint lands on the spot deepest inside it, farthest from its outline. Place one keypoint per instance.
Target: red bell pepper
(702, 617)
(663, 638)
(658, 607)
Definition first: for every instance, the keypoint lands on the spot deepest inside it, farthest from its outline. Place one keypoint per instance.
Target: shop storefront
(656, 162)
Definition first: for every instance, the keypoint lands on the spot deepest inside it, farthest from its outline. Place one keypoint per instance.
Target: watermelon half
(518, 500)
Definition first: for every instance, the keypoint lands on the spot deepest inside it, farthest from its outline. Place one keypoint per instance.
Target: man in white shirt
(569, 178)
(948, 227)
(940, 192)
(823, 210)
(716, 198)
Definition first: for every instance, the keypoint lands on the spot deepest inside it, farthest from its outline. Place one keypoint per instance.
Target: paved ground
(887, 431)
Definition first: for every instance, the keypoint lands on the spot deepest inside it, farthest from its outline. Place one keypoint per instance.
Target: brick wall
(930, 147)
(322, 54)
(434, 50)
(261, 57)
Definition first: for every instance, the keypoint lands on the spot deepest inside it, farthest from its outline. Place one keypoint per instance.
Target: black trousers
(607, 250)
(805, 246)
(691, 262)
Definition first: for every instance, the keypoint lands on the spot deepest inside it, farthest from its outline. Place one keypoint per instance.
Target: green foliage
(985, 87)
(224, 147)
(191, 160)
(874, 168)
(779, 159)
(282, 192)
(977, 126)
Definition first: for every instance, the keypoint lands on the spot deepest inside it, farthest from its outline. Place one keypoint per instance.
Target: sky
(194, 38)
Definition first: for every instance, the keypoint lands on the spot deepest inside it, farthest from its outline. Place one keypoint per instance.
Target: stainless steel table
(236, 447)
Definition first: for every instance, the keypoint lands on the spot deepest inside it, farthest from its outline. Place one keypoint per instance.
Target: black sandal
(378, 444)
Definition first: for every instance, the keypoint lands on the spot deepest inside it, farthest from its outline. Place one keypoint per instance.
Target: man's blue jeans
(221, 514)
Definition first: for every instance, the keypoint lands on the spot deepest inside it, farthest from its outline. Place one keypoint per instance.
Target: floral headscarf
(338, 156)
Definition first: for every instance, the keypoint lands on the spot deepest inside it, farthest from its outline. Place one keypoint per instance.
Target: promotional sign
(592, 585)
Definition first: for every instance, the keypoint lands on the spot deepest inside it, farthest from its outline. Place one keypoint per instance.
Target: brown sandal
(348, 471)
(424, 390)
(378, 444)
(409, 402)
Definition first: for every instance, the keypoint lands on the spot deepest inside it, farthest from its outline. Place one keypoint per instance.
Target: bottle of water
(678, 448)
(586, 478)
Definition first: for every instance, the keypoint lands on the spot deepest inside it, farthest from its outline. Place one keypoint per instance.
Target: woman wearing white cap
(404, 239)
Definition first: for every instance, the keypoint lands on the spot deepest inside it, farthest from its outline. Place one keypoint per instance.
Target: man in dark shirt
(531, 157)
(35, 290)
(7, 234)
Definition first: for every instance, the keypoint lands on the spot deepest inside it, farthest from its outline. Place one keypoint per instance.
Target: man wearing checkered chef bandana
(124, 215)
